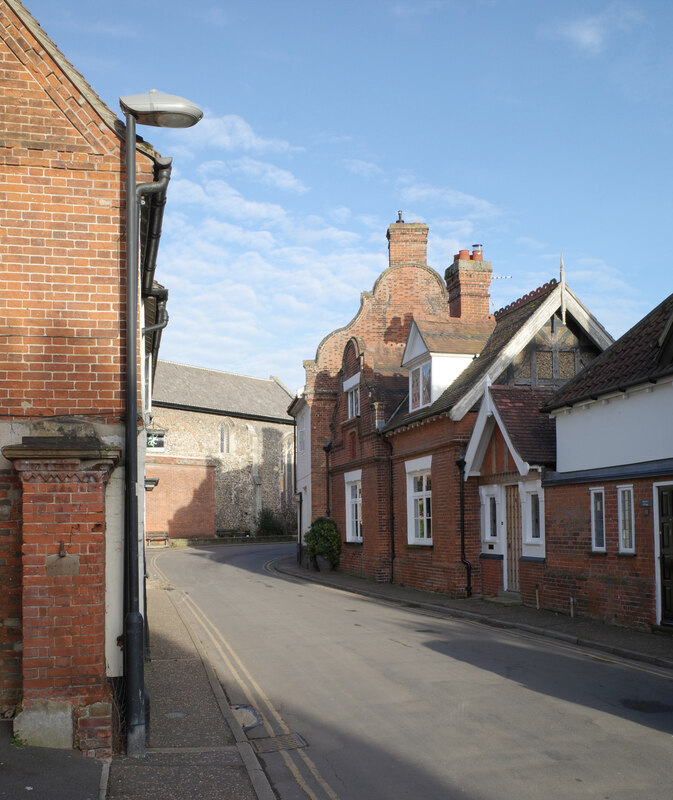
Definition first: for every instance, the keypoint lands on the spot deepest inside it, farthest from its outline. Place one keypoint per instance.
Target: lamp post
(162, 111)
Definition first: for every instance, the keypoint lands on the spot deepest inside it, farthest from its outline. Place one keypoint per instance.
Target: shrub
(323, 539)
(269, 523)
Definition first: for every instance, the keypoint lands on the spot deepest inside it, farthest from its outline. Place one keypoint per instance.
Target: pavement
(198, 751)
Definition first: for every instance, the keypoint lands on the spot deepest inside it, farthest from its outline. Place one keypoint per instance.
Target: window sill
(418, 545)
(354, 543)
(629, 554)
(598, 552)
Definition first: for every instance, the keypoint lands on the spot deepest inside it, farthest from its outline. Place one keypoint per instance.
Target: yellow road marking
(213, 633)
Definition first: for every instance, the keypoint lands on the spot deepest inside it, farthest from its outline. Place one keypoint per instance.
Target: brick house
(221, 446)
(62, 389)
(537, 344)
(353, 387)
(389, 467)
(609, 502)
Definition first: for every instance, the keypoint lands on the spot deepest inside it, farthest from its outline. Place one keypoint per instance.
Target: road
(399, 703)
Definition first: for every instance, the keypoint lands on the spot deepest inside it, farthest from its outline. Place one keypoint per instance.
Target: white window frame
(416, 468)
(629, 547)
(592, 492)
(526, 494)
(353, 396)
(353, 505)
(424, 373)
(352, 390)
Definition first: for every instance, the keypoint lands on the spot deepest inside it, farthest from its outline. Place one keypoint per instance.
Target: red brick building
(609, 501)
(62, 389)
(389, 418)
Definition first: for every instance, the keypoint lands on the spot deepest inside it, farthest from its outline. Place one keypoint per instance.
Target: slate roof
(455, 337)
(533, 433)
(508, 322)
(642, 354)
(223, 392)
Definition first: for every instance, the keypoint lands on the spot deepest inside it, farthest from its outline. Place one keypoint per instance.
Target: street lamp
(162, 111)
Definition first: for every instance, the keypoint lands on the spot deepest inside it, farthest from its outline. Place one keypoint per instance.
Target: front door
(666, 552)
(513, 508)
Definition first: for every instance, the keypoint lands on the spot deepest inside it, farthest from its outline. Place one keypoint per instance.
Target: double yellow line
(254, 694)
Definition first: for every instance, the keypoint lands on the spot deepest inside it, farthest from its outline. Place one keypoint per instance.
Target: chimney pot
(477, 252)
(464, 255)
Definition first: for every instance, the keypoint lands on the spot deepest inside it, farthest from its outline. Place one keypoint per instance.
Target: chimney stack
(407, 243)
(468, 281)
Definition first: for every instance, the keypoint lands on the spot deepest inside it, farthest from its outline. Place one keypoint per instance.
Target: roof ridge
(218, 371)
(525, 299)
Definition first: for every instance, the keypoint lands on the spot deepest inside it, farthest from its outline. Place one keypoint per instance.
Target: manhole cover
(290, 741)
(646, 706)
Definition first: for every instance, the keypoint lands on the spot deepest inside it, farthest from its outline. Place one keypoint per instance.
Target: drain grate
(290, 741)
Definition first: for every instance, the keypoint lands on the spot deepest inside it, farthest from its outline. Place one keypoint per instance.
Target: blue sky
(533, 128)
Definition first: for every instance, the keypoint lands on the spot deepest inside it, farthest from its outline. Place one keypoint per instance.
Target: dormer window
(420, 386)
(352, 390)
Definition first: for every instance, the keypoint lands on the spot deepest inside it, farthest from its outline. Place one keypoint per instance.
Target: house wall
(408, 288)
(357, 445)
(437, 568)
(234, 485)
(303, 471)
(62, 300)
(586, 434)
(619, 588)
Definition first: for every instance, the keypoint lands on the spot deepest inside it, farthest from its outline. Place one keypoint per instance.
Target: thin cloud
(221, 198)
(365, 169)
(260, 171)
(590, 34)
(232, 132)
(452, 198)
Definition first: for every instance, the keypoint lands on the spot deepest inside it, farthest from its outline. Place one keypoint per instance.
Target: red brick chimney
(407, 243)
(468, 280)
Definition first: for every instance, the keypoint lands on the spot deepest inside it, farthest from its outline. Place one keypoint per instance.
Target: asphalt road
(397, 703)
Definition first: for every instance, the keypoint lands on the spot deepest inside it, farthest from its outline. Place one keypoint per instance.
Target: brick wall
(62, 306)
(615, 587)
(182, 505)
(63, 602)
(437, 568)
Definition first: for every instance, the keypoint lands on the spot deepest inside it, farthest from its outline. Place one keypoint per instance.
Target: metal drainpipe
(327, 449)
(468, 567)
(391, 509)
(295, 493)
(133, 619)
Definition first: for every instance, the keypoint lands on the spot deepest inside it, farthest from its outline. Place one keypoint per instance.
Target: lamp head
(161, 110)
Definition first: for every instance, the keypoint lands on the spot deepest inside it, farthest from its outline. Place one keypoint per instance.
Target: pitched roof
(531, 432)
(455, 337)
(642, 354)
(509, 321)
(222, 392)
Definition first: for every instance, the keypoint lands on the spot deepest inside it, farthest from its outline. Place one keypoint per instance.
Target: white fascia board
(521, 465)
(592, 328)
(481, 434)
(415, 346)
(509, 352)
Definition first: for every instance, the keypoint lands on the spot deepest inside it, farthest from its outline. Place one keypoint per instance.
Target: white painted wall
(304, 468)
(445, 369)
(626, 429)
